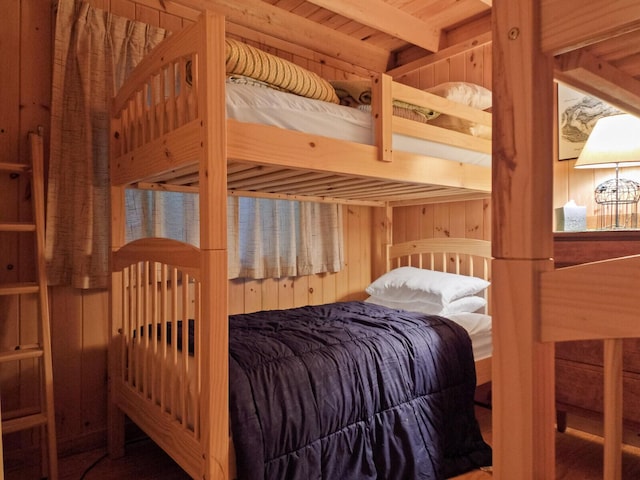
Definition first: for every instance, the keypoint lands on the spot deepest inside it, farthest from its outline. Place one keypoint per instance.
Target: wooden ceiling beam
(388, 19)
(596, 77)
(567, 25)
(407, 68)
(294, 49)
(266, 18)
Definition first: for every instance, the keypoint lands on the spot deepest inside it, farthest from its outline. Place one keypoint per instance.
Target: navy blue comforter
(352, 391)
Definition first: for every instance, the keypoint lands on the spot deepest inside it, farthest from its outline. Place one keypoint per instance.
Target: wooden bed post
(382, 236)
(115, 416)
(381, 111)
(213, 246)
(523, 366)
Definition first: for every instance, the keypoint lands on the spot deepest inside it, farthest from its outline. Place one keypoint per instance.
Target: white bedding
(251, 104)
(479, 327)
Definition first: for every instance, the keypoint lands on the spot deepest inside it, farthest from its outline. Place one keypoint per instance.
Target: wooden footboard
(159, 344)
(167, 125)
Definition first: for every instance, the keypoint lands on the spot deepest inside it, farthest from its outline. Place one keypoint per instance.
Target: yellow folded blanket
(406, 110)
(243, 59)
(353, 91)
(357, 93)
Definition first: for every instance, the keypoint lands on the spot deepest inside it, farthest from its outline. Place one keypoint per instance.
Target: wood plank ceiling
(372, 35)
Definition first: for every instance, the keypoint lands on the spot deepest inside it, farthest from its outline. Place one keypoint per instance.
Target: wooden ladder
(44, 417)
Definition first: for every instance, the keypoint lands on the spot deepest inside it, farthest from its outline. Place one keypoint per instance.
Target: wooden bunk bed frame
(533, 42)
(185, 143)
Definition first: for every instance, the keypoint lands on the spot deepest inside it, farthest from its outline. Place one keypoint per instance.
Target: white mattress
(251, 104)
(479, 327)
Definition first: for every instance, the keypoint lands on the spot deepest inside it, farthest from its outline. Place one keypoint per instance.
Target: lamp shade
(614, 140)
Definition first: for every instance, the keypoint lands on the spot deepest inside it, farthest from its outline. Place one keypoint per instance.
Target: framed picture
(577, 114)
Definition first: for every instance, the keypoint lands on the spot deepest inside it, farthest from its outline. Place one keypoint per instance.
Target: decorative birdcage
(618, 200)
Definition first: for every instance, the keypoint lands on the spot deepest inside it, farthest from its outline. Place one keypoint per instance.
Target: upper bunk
(172, 113)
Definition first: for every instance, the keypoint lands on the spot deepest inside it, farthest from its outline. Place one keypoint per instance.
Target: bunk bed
(592, 47)
(170, 131)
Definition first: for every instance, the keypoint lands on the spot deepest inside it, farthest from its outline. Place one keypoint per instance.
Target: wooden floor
(578, 454)
(579, 458)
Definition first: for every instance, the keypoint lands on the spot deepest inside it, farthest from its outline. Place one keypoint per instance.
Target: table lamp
(614, 143)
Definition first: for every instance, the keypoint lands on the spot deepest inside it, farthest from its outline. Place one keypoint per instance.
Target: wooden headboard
(464, 256)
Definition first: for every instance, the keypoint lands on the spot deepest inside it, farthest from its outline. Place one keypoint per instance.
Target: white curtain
(266, 238)
(162, 214)
(94, 51)
(280, 238)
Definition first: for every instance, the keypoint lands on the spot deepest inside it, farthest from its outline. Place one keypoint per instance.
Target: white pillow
(466, 93)
(462, 305)
(410, 284)
(471, 94)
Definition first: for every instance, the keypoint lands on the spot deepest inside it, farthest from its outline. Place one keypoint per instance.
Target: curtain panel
(94, 51)
(281, 238)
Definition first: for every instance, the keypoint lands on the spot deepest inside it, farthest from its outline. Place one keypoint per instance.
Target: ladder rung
(23, 423)
(18, 288)
(20, 354)
(14, 167)
(22, 412)
(17, 227)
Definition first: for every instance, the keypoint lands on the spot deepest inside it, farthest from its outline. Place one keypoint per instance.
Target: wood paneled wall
(470, 219)
(25, 85)
(456, 219)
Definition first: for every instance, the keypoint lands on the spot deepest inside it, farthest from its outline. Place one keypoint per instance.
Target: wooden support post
(523, 366)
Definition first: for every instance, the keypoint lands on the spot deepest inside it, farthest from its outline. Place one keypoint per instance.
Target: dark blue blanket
(352, 391)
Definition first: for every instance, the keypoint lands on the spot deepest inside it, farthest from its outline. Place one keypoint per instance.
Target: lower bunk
(347, 390)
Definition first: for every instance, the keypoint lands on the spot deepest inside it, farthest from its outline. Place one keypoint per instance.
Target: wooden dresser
(579, 378)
